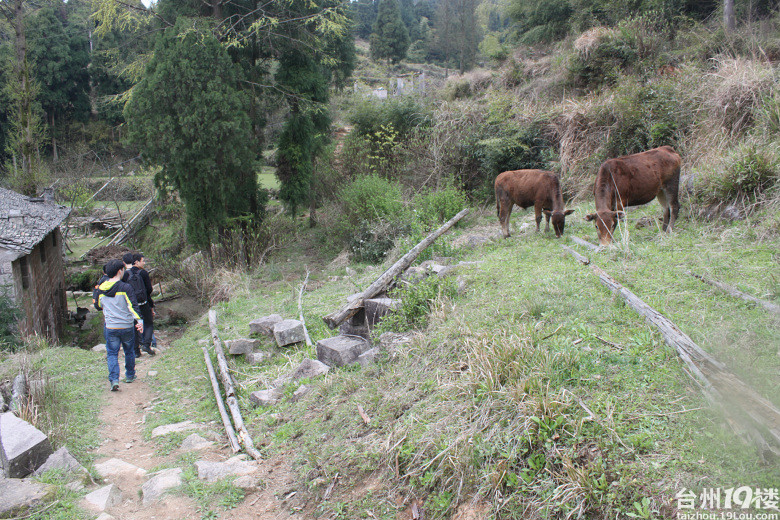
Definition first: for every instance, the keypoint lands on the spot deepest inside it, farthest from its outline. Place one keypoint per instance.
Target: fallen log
(771, 307)
(227, 383)
(582, 259)
(578, 240)
(719, 386)
(380, 284)
(231, 433)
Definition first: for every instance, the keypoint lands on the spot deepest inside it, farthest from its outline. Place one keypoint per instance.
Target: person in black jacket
(127, 259)
(139, 279)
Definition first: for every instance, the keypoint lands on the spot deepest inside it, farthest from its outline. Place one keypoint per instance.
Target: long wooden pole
(227, 383)
(231, 433)
(334, 319)
(300, 309)
(771, 307)
(578, 240)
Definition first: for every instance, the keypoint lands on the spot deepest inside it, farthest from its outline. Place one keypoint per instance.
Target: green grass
(268, 178)
(81, 245)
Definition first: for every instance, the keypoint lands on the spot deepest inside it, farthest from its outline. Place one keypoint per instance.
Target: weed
(416, 303)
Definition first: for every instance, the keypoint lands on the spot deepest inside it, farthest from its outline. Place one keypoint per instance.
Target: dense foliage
(389, 37)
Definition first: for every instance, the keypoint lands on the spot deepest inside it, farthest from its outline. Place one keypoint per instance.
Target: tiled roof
(25, 221)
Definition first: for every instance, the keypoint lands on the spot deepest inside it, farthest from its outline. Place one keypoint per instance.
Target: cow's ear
(621, 215)
(547, 212)
(591, 216)
(568, 212)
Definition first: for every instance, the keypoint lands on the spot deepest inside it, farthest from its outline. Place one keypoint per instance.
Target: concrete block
(265, 325)
(161, 482)
(23, 447)
(340, 350)
(61, 460)
(17, 495)
(265, 397)
(288, 332)
(242, 345)
(233, 467)
(378, 308)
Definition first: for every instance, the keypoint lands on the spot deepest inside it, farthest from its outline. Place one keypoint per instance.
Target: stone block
(100, 347)
(378, 308)
(368, 357)
(414, 275)
(308, 369)
(265, 325)
(348, 329)
(195, 442)
(288, 332)
(359, 318)
(23, 447)
(233, 467)
(61, 460)
(255, 358)
(300, 392)
(242, 345)
(340, 350)
(161, 482)
(247, 482)
(19, 494)
(265, 397)
(174, 428)
(103, 498)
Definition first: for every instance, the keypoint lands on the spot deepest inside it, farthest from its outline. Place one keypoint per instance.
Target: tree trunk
(728, 15)
(54, 156)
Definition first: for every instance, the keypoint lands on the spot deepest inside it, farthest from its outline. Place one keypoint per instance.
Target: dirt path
(123, 420)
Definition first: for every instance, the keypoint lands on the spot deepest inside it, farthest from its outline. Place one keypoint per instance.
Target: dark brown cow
(633, 180)
(526, 188)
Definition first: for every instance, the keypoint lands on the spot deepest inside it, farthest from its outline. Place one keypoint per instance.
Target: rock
(195, 442)
(20, 494)
(265, 325)
(265, 397)
(100, 347)
(151, 373)
(247, 482)
(340, 350)
(348, 329)
(474, 241)
(732, 212)
(61, 460)
(255, 358)
(300, 392)
(117, 467)
(242, 345)
(161, 482)
(235, 466)
(105, 516)
(368, 357)
(378, 308)
(308, 369)
(174, 428)
(288, 332)
(75, 486)
(23, 447)
(414, 274)
(103, 498)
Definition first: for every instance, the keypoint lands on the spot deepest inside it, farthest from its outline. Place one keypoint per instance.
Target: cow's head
(558, 219)
(606, 222)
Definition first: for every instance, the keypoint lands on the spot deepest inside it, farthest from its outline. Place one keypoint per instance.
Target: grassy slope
(476, 403)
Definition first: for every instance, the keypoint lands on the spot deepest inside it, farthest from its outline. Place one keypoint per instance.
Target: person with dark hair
(120, 310)
(139, 279)
(127, 259)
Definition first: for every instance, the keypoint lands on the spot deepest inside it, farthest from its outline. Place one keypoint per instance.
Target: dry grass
(591, 39)
(735, 91)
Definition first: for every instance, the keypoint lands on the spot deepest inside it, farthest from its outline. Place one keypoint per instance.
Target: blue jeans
(116, 338)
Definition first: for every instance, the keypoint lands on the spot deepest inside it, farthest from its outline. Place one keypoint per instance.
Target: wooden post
(380, 284)
(300, 309)
(227, 383)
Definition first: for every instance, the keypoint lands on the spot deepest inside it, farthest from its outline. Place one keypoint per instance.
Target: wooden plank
(380, 284)
(227, 383)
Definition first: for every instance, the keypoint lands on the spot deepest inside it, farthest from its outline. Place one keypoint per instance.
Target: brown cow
(526, 188)
(633, 180)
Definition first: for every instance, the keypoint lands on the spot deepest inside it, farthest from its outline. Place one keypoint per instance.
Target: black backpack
(135, 281)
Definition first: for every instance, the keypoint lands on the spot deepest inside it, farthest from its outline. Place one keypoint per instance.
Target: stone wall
(40, 288)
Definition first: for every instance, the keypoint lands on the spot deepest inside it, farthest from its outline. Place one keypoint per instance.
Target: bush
(602, 56)
(416, 301)
(749, 174)
(9, 316)
(433, 208)
(370, 199)
(371, 241)
(399, 114)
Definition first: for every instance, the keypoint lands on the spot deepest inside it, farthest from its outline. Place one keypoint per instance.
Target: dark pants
(145, 340)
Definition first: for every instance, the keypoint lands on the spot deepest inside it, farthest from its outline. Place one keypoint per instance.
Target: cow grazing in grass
(526, 188)
(633, 180)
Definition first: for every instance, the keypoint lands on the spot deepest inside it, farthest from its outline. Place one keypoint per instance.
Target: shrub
(433, 208)
(371, 241)
(371, 198)
(602, 55)
(416, 301)
(749, 174)
(9, 316)
(401, 114)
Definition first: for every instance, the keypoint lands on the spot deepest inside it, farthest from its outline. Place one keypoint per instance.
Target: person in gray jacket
(120, 309)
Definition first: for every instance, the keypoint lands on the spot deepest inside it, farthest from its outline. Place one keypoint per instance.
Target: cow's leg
(547, 222)
(504, 212)
(538, 211)
(672, 195)
(665, 205)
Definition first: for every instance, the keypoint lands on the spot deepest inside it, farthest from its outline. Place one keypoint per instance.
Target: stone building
(31, 265)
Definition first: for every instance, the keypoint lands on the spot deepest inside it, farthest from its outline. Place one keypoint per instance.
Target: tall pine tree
(390, 38)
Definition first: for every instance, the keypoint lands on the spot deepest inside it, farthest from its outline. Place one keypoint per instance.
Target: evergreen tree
(390, 38)
(363, 14)
(457, 35)
(189, 116)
